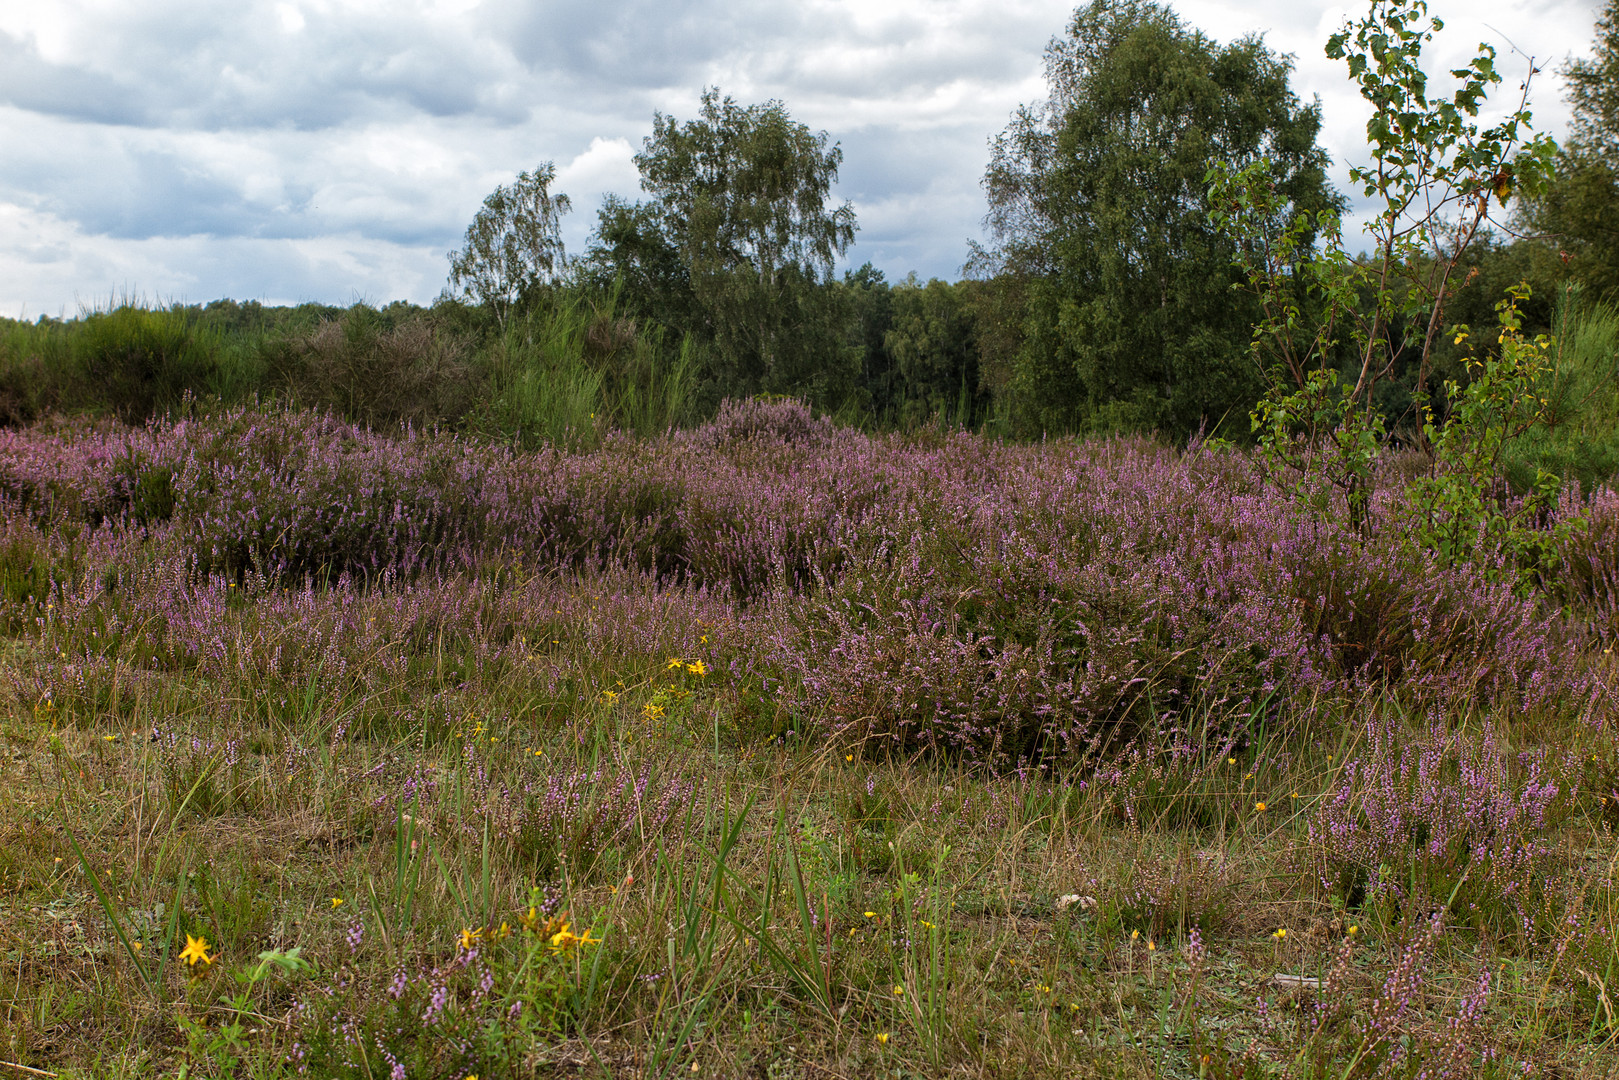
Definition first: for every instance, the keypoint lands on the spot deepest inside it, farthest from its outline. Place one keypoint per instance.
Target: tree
(742, 195)
(1434, 175)
(934, 353)
(1098, 217)
(632, 252)
(1579, 211)
(514, 244)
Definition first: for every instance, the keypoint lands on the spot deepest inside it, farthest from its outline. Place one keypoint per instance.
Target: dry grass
(1030, 985)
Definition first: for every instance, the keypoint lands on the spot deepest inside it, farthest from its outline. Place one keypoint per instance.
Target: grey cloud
(643, 44)
(207, 135)
(31, 82)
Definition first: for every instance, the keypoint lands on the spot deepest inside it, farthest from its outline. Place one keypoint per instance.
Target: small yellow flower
(1281, 932)
(1259, 807)
(899, 991)
(674, 663)
(882, 1037)
(697, 667)
(196, 951)
(135, 945)
(565, 939)
(871, 914)
(1152, 946)
(530, 919)
(337, 902)
(1230, 761)
(1353, 929)
(470, 938)
(1135, 934)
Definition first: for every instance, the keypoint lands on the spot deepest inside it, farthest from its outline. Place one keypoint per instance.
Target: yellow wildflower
(1259, 807)
(470, 938)
(882, 1037)
(196, 951)
(337, 902)
(565, 939)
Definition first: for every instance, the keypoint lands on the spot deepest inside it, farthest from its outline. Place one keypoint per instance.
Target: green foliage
(1579, 211)
(374, 373)
(1579, 436)
(221, 1050)
(1318, 444)
(741, 217)
(571, 369)
(632, 253)
(1432, 175)
(1460, 509)
(934, 354)
(135, 362)
(514, 244)
(1098, 212)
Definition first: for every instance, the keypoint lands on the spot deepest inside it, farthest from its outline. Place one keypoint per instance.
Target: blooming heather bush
(574, 815)
(949, 592)
(1449, 816)
(764, 419)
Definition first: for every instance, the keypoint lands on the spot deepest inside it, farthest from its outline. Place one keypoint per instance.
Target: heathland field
(773, 749)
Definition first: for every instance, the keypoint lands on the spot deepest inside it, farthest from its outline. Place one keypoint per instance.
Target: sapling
(1331, 319)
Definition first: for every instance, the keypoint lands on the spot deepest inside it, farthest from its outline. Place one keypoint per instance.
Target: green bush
(136, 362)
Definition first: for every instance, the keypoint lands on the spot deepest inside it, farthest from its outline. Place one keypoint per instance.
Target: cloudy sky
(334, 150)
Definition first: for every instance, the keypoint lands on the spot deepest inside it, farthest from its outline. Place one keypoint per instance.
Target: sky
(180, 151)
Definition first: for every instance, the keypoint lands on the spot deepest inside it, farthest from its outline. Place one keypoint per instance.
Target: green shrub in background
(130, 361)
(1579, 438)
(374, 373)
(567, 371)
(137, 361)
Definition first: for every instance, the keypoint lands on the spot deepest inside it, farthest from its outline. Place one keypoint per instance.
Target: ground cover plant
(773, 748)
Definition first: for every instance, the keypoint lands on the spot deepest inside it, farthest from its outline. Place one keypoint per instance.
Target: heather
(773, 745)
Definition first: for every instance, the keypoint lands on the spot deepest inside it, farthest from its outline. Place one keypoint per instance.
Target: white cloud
(323, 149)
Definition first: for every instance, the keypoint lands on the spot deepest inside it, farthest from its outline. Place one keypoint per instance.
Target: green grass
(809, 910)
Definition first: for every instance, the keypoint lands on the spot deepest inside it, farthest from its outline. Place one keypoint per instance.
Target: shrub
(374, 374)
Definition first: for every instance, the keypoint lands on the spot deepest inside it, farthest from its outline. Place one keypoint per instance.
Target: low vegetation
(529, 686)
(769, 748)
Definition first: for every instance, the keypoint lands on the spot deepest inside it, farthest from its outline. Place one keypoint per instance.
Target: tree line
(1105, 298)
